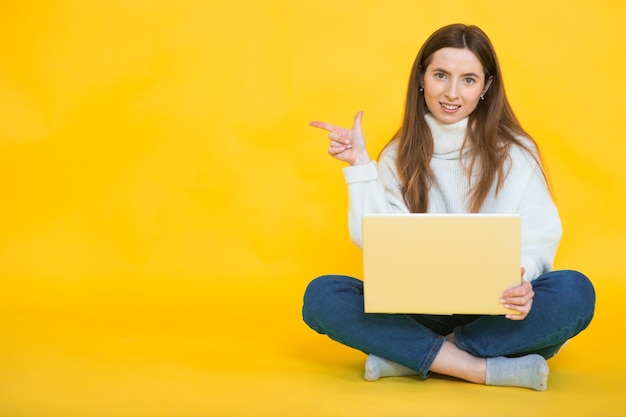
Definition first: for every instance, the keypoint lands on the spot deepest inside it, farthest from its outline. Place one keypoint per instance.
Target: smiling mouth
(449, 106)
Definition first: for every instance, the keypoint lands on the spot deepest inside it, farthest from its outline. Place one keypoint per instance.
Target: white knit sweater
(375, 188)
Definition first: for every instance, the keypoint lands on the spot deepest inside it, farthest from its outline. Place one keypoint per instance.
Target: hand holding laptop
(519, 299)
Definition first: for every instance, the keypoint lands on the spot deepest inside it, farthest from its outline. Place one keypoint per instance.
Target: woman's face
(453, 83)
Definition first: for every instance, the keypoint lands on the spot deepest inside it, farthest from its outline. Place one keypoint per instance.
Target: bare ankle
(454, 362)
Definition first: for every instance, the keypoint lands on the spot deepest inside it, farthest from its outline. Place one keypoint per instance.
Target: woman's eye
(440, 76)
(470, 81)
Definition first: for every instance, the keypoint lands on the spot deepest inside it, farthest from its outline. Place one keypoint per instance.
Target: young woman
(460, 149)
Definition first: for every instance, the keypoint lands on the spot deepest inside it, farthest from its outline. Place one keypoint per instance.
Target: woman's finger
(520, 305)
(519, 300)
(516, 317)
(326, 126)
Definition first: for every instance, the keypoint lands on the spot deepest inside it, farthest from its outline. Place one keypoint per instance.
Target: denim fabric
(562, 307)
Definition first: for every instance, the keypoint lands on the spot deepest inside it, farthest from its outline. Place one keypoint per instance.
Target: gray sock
(376, 368)
(527, 371)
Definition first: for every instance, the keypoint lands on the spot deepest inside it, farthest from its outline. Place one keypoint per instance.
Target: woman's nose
(452, 91)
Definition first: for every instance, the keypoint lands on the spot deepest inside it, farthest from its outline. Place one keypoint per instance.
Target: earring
(482, 97)
(421, 89)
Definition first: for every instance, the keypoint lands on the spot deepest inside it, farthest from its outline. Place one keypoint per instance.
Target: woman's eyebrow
(469, 74)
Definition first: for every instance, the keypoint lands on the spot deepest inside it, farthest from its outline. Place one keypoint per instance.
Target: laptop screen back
(440, 263)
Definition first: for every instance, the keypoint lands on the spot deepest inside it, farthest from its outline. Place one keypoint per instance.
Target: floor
(88, 358)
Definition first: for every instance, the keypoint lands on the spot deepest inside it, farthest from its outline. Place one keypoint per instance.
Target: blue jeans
(562, 307)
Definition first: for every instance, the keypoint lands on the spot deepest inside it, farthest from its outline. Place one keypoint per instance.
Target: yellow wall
(157, 152)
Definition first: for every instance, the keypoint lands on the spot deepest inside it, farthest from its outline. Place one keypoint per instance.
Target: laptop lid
(440, 263)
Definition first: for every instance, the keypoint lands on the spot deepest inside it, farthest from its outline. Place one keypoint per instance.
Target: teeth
(450, 107)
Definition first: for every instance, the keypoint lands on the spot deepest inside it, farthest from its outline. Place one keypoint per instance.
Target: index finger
(326, 126)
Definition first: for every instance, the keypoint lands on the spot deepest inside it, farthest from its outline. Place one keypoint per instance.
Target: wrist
(362, 160)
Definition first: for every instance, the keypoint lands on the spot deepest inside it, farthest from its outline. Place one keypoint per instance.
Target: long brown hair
(492, 126)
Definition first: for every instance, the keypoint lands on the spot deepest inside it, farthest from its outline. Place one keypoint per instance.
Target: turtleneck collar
(448, 138)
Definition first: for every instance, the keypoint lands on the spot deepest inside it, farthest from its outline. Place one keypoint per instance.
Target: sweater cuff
(530, 268)
(361, 173)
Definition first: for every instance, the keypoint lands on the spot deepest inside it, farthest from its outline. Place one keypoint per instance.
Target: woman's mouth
(450, 108)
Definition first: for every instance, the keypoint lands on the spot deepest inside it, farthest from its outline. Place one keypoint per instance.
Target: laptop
(440, 263)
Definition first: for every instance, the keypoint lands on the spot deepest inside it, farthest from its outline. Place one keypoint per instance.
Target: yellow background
(165, 202)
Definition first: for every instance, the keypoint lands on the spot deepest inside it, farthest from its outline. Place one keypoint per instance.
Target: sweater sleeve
(372, 188)
(541, 230)
(541, 225)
